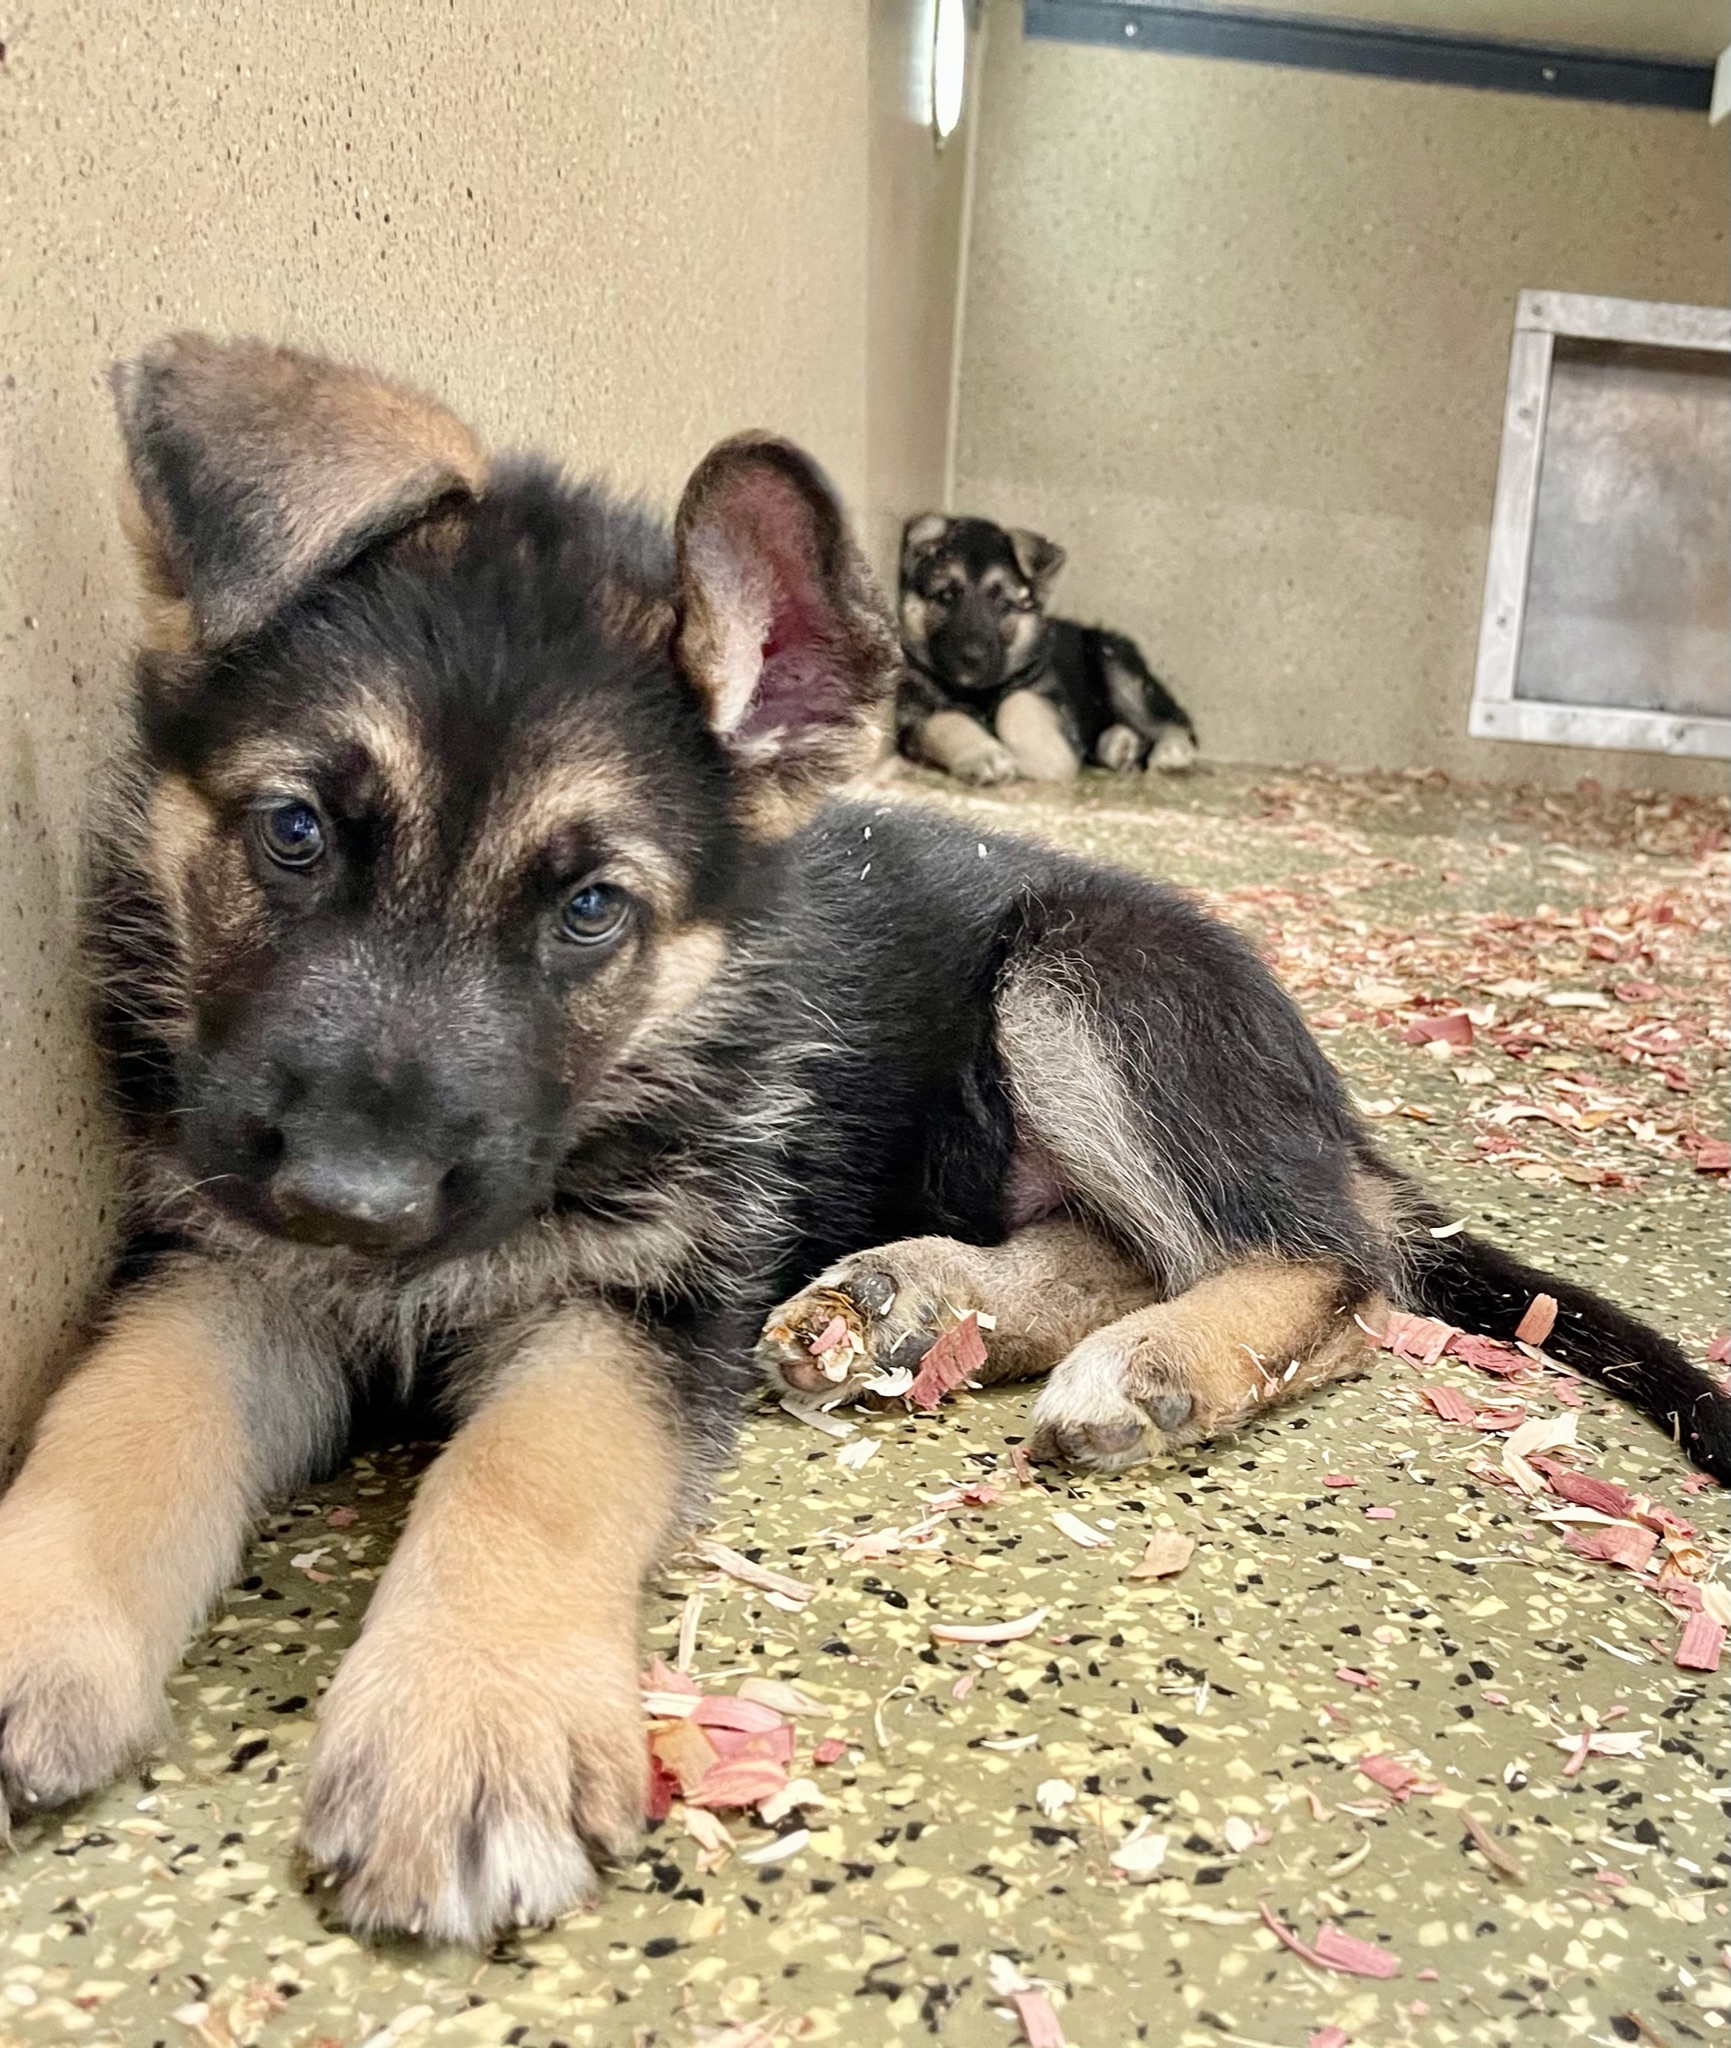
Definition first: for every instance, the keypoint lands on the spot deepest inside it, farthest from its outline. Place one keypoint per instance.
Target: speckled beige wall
(914, 237)
(619, 231)
(1238, 337)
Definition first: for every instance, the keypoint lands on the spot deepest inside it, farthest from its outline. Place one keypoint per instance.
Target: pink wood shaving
(1338, 1951)
(737, 1782)
(1040, 2027)
(1702, 1646)
(1396, 1778)
(1422, 1340)
(1486, 1353)
(1603, 1495)
(954, 1358)
(1282, 1932)
(1539, 1321)
(1624, 1544)
(1450, 1405)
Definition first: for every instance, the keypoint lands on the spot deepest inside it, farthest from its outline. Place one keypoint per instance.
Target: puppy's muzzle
(367, 1200)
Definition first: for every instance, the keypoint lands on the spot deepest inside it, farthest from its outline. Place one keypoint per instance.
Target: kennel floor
(967, 1840)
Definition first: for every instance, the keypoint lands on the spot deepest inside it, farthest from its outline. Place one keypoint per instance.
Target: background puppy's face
(459, 828)
(971, 599)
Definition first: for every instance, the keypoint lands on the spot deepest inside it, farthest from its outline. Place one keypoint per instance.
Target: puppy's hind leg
(1258, 1334)
(1045, 1287)
(129, 1514)
(1174, 751)
(1177, 1094)
(1142, 702)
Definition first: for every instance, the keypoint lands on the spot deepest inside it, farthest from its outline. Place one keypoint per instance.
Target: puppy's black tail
(1483, 1288)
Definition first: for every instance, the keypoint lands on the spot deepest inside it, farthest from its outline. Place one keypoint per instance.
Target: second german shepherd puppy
(493, 1009)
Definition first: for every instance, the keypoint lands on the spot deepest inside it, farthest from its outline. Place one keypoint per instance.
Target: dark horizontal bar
(1313, 43)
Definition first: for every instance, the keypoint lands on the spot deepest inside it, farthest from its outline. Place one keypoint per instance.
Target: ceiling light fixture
(949, 65)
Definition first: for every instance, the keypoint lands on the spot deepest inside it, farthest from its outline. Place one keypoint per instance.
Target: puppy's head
(456, 780)
(972, 599)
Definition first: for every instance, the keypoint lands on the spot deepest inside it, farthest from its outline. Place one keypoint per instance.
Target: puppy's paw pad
(1090, 1446)
(887, 1319)
(1170, 1407)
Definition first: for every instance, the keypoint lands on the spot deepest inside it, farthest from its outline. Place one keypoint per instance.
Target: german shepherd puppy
(496, 1010)
(994, 688)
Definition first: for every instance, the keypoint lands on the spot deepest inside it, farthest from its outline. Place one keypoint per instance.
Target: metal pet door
(1607, 615)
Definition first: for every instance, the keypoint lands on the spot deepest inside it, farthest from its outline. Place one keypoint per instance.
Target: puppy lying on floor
(993, 688)
(500, 1013)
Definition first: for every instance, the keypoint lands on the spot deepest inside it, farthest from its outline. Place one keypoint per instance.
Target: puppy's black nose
(368, 1200)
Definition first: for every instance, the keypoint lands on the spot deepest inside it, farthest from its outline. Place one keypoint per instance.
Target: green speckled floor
(169, 1909)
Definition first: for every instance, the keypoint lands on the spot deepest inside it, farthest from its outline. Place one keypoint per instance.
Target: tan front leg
(483, 1743)
(1045, 1287)
(1201, 1364)
(952, 740)
(129, 1514)
(1030, 727)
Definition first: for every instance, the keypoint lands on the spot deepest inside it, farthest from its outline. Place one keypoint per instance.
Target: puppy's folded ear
(781, 629)
(921, 537)
(1038, 559)
(257, 472)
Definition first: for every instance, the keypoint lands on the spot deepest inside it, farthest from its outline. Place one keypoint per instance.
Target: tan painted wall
(914, 236)
(1238, 337)
(619, 231)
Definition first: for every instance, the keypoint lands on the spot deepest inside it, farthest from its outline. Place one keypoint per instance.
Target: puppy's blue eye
(291, 834)
(595, 913)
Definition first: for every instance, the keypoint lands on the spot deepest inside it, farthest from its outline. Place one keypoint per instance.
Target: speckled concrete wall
(1238, 337)
(619, 231)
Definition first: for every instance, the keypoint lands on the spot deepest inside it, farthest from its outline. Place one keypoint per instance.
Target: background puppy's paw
(1174, 751)
(989, 763)
(1118, 750)
(78, 1704)
(458, 1790)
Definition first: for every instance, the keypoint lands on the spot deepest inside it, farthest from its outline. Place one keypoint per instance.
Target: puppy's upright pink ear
(257, 471)
(781, 627)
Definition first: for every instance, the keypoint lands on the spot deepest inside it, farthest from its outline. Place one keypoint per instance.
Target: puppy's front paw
(1118, 750)
(79, 1701)
(986, 764)
(462, 1788)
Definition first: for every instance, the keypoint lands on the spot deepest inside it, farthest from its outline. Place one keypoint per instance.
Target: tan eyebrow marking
(371, 723)
(600, 795)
